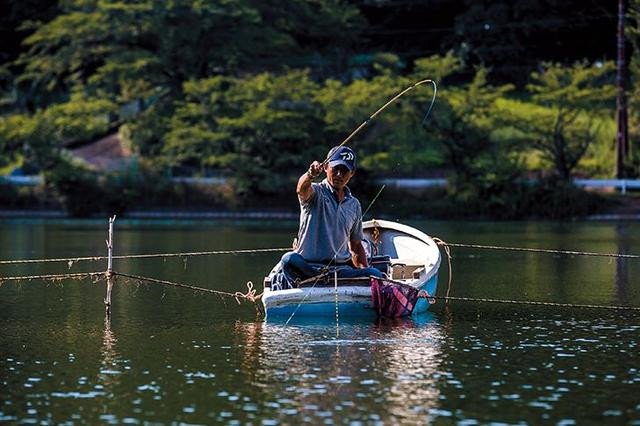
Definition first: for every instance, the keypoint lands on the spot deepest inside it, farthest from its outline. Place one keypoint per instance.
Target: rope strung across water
(447, 248)
(552, 251)
(53, 276)
(250, 295)
(68, 260)
(526, 302)
(72, 260)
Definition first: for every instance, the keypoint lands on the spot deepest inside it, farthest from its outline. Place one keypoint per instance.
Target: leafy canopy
(563, 121)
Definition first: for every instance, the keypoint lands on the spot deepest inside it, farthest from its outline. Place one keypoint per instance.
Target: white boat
(408, 257)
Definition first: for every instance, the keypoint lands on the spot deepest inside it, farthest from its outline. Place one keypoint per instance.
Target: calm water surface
(173, 356)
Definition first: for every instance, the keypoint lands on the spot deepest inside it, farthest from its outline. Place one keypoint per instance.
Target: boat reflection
(309, 368)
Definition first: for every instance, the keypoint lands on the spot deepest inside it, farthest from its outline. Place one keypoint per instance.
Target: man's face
(338, 176)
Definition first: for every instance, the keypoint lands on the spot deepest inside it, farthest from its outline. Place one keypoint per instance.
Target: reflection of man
(330, 231)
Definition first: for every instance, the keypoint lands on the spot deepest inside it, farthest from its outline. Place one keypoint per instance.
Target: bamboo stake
(109, 273)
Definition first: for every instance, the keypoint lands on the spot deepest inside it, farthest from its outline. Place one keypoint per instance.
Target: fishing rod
(389, 102)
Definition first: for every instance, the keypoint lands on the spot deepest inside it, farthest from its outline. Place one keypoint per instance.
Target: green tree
(142, 52)
(346, 106)
(37, 140)
(395, 141)
(261, 129)
(257, 129)
(563, 121)
(633, 34)
(464, 118)
(16, 17)
(131, 49)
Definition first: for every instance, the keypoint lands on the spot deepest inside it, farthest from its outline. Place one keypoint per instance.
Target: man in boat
(330, 234)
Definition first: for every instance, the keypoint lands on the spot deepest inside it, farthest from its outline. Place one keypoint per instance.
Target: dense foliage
(256, 90)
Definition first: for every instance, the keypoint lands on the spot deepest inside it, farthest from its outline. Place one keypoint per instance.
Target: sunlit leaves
(257, 129)
(562, 123)
(581, 85)
(40, 137)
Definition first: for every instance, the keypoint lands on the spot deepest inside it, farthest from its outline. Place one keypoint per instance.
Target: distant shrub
(76, 188)
(548, 198)
(8, 195)
(554, 198)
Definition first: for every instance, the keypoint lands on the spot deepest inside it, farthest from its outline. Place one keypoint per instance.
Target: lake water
(170, 355)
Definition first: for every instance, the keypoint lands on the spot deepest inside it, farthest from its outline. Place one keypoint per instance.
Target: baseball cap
(342, 155)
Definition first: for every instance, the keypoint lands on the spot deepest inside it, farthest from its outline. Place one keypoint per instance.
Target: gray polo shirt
(326, 226)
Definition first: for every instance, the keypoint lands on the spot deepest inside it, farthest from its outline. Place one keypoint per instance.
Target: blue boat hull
(406, 255)
(362, 308)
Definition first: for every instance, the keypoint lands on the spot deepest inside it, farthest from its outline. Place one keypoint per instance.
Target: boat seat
(401, 271)
(381, 263)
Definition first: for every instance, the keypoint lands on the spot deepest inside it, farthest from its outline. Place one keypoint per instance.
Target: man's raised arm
(304, 188)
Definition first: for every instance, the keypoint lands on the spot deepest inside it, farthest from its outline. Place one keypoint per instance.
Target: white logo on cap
(346, 156)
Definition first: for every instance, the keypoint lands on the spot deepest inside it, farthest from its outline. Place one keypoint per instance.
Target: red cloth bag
(393, 299)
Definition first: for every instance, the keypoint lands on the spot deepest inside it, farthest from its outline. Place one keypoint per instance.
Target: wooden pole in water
(109, 273)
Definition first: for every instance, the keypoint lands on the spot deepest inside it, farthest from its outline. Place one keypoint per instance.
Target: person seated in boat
(330, 235)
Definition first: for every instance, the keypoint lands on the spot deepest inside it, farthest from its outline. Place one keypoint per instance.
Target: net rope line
(53, 276)
(542, 250)
(250, 295)
(536, 303)
(447, 250)
(72, 260)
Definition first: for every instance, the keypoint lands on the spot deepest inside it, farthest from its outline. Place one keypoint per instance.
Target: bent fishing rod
(389, 102)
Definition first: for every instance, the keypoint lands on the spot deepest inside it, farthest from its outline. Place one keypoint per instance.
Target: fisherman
(330, 234)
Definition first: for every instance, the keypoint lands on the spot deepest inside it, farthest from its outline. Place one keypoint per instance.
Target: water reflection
(109, 354)
(196, 360)
(307, 371)
(621, 271)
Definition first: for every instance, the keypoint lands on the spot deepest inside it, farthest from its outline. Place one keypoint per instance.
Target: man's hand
(315, 170)
(304, 188)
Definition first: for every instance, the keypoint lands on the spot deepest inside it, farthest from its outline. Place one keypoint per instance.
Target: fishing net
(393, 299)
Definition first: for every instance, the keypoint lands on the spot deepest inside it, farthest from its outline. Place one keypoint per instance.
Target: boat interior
(395, 269)
(405, 253)
(401, 256)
